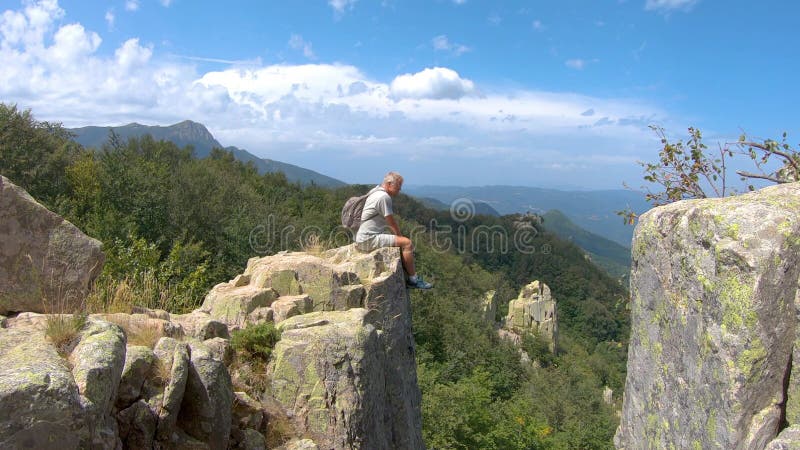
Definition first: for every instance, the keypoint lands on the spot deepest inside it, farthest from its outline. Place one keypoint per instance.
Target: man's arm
(393, 225)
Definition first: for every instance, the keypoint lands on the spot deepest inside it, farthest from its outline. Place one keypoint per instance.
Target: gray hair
(393, 178)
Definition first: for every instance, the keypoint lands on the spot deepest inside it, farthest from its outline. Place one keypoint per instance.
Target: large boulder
(534, 312)
(46, 263)
(713, 287)
(172, 358)
(328, 373)
(40, 405)
(205, 412)
(97, 363)
(339, 280)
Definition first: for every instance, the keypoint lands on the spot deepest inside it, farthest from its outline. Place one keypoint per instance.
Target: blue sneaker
(418, 284)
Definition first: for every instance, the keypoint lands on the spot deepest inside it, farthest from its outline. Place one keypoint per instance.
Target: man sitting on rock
(377, 214)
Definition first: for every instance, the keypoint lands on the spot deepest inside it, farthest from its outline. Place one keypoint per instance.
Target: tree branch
(763, 177)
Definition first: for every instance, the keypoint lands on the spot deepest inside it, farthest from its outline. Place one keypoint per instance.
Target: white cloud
(459, 2)
(166, 3)
(435, 83)
(110, 18)
(537, 25)
(300, 113)
(131, 5)
(71, 44)
(131, 54)
(494, 19)
(298, 43)
(669, 5)
(339, 6)
(441, 43)
(28, 27)
(577, 63)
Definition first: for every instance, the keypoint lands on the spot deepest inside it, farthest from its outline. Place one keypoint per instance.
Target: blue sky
(466, 92)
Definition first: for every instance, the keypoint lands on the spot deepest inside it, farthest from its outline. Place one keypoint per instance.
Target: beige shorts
(376, 242)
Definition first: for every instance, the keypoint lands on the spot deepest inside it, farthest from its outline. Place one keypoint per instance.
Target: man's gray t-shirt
(373, 217)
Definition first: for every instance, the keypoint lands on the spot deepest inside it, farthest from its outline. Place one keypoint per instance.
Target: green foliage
(476, 392)
(686, 170)
(34, 154)
(172, 225)
(457, 414)
(256, 341)
(538, 349)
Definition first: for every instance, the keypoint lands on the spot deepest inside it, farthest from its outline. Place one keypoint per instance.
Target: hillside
(593, 211)
(482, 208)
(188, 133)
(173, 226)
(609, 255)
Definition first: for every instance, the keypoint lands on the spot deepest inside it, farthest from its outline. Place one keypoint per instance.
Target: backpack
(353, 207)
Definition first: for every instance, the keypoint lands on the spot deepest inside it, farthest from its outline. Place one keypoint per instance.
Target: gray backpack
(353, 207)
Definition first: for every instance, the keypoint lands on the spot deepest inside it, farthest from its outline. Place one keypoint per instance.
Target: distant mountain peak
(197, 135)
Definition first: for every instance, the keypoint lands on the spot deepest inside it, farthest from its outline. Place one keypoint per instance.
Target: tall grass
(111, 295)
(63, 329)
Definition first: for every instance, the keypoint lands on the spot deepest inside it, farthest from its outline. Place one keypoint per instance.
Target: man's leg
(406, 254)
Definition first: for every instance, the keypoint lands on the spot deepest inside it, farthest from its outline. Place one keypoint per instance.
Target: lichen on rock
(713, 283)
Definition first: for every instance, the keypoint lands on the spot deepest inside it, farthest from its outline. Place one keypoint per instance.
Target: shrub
(256, 341)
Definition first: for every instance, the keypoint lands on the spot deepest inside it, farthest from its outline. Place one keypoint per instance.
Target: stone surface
(534, 311)
(713, 287)
(139, 362)
(206, 408)
(46, 263)
(137, 426)
(97, 363)
(328, 372)
(489, 306)
(252, 440)
(220, 349)
(40, 405)
(230, 303)
(346, 374)
(289, 306)
(173, 357)
(342, 278)
(788, 439)
(328, 284)
(200, 325)
(793, 390)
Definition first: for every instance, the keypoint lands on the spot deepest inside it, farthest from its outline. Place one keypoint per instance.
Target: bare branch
(760, 176)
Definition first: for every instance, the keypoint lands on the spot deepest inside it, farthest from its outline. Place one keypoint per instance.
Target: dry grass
(160, 372)
(119, 296)
(314, 245)
(139, 331)
(63, 330)
(146, 335)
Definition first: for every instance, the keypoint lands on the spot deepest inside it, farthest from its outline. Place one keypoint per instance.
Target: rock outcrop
(714, 324)
(344, 369)
(489, 306)
(342, 376)
(534, 311)
(46, 263)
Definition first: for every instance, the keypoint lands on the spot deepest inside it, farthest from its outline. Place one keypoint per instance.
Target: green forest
(173, 225)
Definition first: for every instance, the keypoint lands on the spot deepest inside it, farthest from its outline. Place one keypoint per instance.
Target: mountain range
(586, 217)
(594, 211)
(197, 135)
(611, 256)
